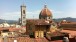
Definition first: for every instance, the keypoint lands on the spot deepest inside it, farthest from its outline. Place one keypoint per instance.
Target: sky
(10, 9)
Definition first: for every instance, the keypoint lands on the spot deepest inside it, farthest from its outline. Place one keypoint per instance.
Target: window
(23, 17)
(48, 18)
(23, 21)
(23, 11)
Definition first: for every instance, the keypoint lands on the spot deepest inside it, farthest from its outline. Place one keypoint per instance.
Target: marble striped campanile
(23, 15)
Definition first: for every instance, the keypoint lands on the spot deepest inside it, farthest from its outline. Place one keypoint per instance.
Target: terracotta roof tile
(57, 41)
(46, 12)
(39, 22)
(71, 33)
(10, 29)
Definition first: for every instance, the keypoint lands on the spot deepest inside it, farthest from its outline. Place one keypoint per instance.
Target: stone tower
(23, 15)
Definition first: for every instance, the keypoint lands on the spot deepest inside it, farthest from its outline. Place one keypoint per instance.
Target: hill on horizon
(56, 20)
(67, 19)
(8, 21)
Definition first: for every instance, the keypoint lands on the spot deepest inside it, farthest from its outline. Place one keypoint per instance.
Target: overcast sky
(10, 9)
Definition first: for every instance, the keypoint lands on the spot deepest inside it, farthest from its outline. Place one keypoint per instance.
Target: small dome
(46, 11)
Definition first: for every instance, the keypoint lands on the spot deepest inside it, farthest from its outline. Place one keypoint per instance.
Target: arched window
(48, 18)
(23, 21)
(23, 17)
(23, 11)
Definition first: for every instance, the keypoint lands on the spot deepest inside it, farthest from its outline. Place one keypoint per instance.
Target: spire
(23, 3)
(45, 6)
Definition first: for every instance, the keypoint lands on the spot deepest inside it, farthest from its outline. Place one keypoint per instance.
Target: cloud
(71, 14)
(64, 14)
(29, 14)
(16, 15)
(10, 15)
(33, 14)
(56, 12)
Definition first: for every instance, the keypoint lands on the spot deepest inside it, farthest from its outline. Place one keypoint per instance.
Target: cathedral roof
(45, 11)
(39, 21)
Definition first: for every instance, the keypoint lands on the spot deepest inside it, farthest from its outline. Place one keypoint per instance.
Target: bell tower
(23, 15)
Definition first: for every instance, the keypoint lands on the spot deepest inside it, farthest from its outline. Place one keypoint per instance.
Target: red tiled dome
(46, 11)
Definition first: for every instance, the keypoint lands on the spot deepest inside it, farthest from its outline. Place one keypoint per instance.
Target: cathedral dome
(46, 12)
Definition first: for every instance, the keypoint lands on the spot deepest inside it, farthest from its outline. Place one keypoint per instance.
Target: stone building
(68, 25)
(36, 28)
(23, 15)
(39, 27)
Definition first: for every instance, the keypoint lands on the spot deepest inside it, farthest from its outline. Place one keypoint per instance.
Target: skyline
(10, 9)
